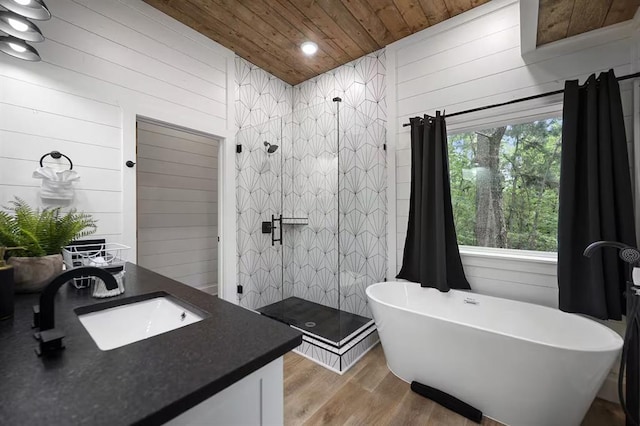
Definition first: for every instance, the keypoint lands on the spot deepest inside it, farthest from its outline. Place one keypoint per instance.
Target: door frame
(227, 275)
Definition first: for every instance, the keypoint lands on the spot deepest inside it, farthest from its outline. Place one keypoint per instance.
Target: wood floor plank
(369, 394)
(485, 422)
(306, 393)
(412, 410)
(375, 372)
(381, 407)
(341, 406)
(291, 363)
(604, 413)
(440, 416)
(297, 378)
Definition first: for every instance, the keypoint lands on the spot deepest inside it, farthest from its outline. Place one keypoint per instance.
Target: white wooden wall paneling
(473, 61)
(516, 77)
(103, 64)
(141, 34)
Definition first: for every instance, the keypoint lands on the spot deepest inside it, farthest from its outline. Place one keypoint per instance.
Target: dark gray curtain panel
(595, 198)
(431, 255)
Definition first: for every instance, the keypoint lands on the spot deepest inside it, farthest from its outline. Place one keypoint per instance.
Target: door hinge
(384, 146)
(239, 288)
(238, 148)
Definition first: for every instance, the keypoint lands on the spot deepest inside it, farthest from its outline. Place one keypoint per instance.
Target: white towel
(56, 184)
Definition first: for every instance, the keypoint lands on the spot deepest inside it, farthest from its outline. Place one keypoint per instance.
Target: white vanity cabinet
(257, 399)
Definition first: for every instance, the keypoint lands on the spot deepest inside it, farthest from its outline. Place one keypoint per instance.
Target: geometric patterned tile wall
(361, 181)
(262, 100)
(342, 193)
(311, 252)
(363, 212)
(260, 96)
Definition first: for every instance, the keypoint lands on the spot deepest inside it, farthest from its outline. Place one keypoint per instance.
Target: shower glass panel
(327, 179)
(259, 197)
(310, 278)
(362, 207)
(310, 255)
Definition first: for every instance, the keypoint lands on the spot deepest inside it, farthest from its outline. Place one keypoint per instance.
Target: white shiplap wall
(103, 63)
(473, 60)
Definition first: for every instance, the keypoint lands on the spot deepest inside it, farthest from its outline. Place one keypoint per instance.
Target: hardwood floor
(369, 394)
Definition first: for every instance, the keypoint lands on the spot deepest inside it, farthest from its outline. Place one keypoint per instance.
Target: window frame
(525, 112)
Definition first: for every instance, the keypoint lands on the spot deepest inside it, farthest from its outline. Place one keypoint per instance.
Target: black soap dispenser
(6, 287)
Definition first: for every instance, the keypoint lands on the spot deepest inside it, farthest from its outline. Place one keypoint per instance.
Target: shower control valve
(266, 227)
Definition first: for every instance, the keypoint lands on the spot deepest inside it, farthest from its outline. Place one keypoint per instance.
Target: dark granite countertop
(146, 382)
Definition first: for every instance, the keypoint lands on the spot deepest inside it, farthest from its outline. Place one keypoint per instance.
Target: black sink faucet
(44, 316)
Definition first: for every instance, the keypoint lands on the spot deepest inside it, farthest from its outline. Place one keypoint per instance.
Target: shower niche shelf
(295, 220)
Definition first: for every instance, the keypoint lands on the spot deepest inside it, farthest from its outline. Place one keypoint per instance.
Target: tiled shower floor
(329, 323)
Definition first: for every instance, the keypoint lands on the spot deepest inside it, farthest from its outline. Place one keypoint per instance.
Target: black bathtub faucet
(629, 254)
(630, 357)
(44, 314)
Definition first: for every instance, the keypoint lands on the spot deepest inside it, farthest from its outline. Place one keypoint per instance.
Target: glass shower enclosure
(312, 218)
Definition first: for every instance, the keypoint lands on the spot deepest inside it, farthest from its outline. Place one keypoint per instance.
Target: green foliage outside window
(505, 184)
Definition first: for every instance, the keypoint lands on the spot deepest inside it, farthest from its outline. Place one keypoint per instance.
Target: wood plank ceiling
(559, 19)
(268, 33)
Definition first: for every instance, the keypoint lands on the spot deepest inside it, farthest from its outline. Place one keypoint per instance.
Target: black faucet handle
(50, 341)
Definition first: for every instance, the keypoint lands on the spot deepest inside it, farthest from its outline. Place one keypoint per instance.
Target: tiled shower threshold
(328, 324)
(333, 338)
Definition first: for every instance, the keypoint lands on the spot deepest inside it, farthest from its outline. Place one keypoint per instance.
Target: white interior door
(177, 212)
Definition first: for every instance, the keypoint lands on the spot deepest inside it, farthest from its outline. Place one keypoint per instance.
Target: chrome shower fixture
(270, 148)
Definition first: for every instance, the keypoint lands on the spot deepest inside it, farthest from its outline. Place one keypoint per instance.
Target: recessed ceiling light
(309, 47)
(19, 27)
(32, 9)
(18, 49)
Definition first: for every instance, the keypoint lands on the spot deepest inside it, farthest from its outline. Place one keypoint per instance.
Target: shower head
(627, 253)
(270, 148)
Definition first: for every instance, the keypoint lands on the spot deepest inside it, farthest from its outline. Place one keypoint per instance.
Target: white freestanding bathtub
(519, 363)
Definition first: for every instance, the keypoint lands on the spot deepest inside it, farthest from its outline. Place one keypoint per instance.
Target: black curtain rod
(528, 98)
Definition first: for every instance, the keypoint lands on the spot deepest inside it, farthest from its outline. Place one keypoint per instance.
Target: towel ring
(56, 155)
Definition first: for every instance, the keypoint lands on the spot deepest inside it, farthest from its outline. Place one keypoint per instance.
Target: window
(505, 183)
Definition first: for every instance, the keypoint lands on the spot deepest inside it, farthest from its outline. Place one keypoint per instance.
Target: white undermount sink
(121, 325)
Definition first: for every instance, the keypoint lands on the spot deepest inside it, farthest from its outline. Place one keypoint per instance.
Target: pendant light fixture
(18, 48)
(19, 30)
(19, 27)
(32, 9)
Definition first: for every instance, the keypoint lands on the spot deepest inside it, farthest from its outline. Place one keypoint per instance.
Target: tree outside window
(505, 184)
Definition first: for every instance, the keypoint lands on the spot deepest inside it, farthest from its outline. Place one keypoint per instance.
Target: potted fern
(41, 235)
